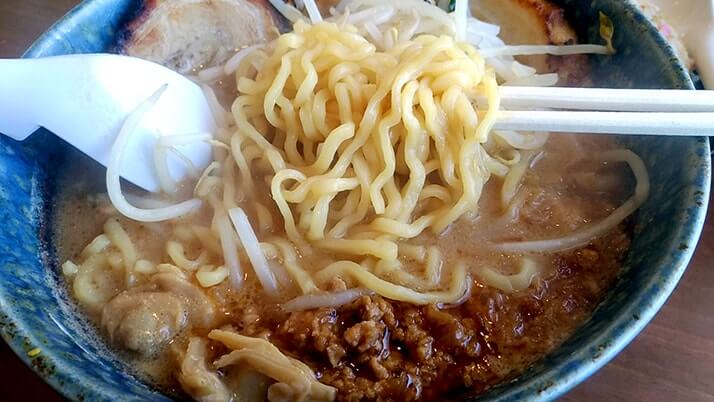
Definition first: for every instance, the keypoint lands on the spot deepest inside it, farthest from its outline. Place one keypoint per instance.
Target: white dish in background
(693, 20)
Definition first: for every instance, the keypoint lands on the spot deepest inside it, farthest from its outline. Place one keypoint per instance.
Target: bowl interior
(36, 311)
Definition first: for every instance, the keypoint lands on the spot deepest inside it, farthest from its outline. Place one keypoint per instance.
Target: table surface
(672, 360)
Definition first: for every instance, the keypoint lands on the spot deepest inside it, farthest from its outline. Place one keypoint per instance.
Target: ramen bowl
(39, 320)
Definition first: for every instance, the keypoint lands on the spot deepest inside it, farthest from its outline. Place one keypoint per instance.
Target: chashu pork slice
(188, 35)
(536, 22)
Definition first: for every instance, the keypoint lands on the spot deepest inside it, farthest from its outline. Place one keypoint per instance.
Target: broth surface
(377, 348)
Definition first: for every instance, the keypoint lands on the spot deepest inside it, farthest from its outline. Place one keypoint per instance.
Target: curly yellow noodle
(360, 147)
(458, 285)
(412, 252)
(121, 240)
(339, 147)
(175, 251)
(432, 271)
(97, 245)
(379, 248)
(290, 261)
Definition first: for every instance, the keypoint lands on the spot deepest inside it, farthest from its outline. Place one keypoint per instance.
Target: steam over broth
(491, 337)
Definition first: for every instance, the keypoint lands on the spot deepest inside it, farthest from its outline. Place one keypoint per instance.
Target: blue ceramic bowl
(36, 312)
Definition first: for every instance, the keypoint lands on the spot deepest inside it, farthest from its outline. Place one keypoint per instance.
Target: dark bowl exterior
(37, 312)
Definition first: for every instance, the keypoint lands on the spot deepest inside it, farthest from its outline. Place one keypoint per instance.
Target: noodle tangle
(337, 122)
(355, 146)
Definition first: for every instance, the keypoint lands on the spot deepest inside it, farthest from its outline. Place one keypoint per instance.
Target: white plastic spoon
(84, 99)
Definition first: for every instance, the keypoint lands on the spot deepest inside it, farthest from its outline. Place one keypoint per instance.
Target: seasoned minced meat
(377, 349)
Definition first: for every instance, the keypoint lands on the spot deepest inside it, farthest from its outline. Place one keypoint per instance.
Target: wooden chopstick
(622, 100)
(671, 124)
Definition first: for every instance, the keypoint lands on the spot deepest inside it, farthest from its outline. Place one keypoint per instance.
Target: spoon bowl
(85, 99)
